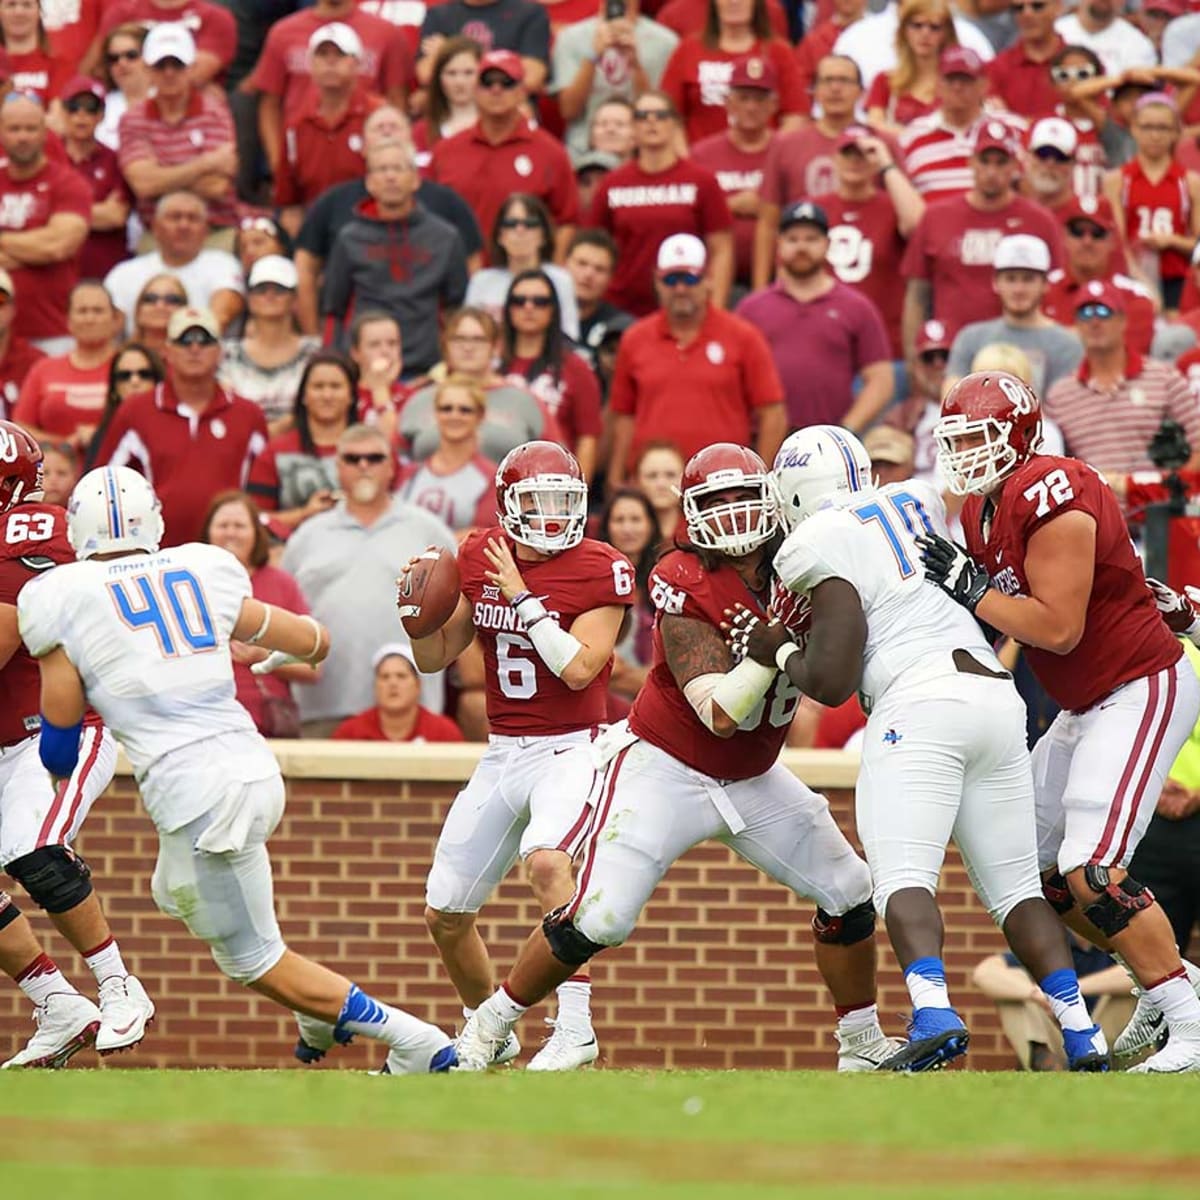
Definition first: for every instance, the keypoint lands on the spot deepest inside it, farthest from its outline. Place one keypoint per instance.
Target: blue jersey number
(909, 511)
(173, 605)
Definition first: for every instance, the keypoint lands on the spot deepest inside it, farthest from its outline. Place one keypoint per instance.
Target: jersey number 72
(172, 605)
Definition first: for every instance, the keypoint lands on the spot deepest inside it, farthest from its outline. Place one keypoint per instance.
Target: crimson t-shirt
(59, 397)
(211, 25)
(39, 72)
(367, 727)
(72, 25)
(736, 171)
(572, 398)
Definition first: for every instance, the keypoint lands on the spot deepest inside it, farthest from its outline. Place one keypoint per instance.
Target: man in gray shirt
(346, 561)
(1021, 264)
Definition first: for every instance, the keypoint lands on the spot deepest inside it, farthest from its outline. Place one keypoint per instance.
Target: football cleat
(316, 1038)
(1147, 1027)
(507, 1051)
(567, 1048)
(483, 1037)
(125, 1012)
(1087, 1050)
(433, 1055)
(935, 1037)
(866, 1050)
(1181, 1053)
(67, 1023)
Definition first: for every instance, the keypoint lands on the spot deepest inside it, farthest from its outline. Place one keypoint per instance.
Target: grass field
(598, 1136)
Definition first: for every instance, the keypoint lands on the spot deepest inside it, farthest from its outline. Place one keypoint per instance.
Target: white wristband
(739, 690)
(783, 654)
(556, 647)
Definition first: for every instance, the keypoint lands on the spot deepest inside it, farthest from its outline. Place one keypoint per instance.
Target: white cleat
(507, 1051)
(125, 1011)
(483, 1038)
(866, 1050)
(1181, 1053)
(1146, 1028)
(567, 1048)
(67, 1023)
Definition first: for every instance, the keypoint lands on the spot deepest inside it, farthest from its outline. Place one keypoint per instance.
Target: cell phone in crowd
(614, 10)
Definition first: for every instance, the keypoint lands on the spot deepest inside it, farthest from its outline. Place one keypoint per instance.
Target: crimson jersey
(1124, 637)
(524, 697)
(1152, 207)
(681, 585)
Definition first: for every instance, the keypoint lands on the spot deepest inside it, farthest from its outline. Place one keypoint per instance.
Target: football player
(143, 635)
(546, 604)
(38, 821)
(697, 760)
(944, 752)
(1049, 562)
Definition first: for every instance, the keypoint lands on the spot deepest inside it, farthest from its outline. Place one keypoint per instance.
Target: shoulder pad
(37, 562)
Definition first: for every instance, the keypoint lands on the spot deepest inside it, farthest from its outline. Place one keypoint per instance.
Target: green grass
(599, 1136)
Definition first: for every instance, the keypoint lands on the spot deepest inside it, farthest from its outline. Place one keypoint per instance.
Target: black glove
(953, 570)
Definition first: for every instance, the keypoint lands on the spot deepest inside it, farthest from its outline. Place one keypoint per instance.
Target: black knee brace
(9, 911)
(55, 877)
(1118, 904)
(853, 926)
(1058, 893)
(567, 944)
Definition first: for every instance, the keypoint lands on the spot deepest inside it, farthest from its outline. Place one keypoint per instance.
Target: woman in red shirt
(397, 715)
(451, 104)
(32, 66)
(910, 91)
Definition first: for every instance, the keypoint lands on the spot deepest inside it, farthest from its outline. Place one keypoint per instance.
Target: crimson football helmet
(542, 497)
(717, 520)
(991, 422)
(20, 466)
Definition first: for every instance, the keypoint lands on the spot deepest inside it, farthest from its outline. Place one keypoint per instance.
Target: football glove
(953, 570)
(1180, 611)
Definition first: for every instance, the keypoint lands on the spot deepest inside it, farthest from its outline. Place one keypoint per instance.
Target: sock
(1175, 998)
(363, 1014)
(104, 961)
(1062, 990)
(41, 979)
(926, 979)
(505, 1006)
(856, 1019)
(575, 1002)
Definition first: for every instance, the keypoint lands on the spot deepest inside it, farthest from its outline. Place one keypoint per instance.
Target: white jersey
(912, 627)
(149, 636)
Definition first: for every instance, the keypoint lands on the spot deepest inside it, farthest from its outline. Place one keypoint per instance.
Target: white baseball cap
(1055, 133)
(1022, 252)
(682, 252)
(341, 35)
(274, 268)
(169, 40)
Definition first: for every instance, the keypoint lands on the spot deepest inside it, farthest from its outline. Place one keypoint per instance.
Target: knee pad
(55, 877)
(567, 944)
(1058, 893)
(1118, 904)
(9, 911)
(855, 925)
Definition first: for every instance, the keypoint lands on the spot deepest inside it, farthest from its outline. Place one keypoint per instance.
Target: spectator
(522, 240)
(72, 27)
(535, 354)
(1021, 264)
(346, 561)
(234, 523)
(591, 169)
(692, 373)
(1120, 44)
(455, 483)
(502, 153)
(891, 451)
(686, 16)
(397, 715)
(591, 261)
(737, 156)
(365, 271)
(17, 355)
(450, 98)
(819, 41)
(1019, 77)
(211, 26)
(921, 409)
(869, 223)
(1050, 171)
(44, 212)
(296, 475)
(32, 64)
(698, 73)
(604, 57)
(258, 235)
(801, 163)
(469, 347)
(611, 128)
(63, 397)
(657, 474)
(1073, 71)
(282, 77)
(135, 368)
(107, 242)
(126, 77)
(189, 437)
(211, 278)
(180, 137)
(949, 257)
(520, 28)
(823, 334)
(655, 195)
(925, 30)
(60, 472)
(322, 143)
(1109, 411)
(266, 363)
(629, 524)
(153, 308)
(336, 207)
(377, 350)
(1155, 200)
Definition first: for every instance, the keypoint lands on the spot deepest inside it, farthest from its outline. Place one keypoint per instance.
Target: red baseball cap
(1096, 209)
(81, 85)
(961, 60)
(995, 135)
(504, 61)
(1100, 291)
(850, 136)
(755, 72)
(933, 335)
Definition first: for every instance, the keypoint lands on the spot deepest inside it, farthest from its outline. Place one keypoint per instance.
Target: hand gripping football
(427, 592)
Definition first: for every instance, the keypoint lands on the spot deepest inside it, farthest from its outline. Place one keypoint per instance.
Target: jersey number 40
(172, 605)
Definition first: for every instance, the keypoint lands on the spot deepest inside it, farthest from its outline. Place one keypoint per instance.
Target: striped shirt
(937, 157)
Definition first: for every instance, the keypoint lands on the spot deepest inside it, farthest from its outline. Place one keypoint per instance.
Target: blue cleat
(446, 1059)
(317, 1037)
(1086, 1049)
(935, 1037)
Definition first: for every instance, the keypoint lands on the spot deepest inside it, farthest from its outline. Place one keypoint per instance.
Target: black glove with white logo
(953, 570)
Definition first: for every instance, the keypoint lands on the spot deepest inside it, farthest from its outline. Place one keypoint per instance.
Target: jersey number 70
(172, 605)
(906, 508)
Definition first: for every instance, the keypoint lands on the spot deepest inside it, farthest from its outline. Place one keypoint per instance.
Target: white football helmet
(113, 509)
(817, 466)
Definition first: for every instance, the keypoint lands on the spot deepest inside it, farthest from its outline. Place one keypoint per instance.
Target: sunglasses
(168, 64)
(463, 410)
(931, 357)
(195, 337)
(85, 103)
(651, 114)
(115, 56)
(1050, 154)
(520, 223)
(373, 459)
(927, 26)
(675, 278)
(270, 289)
(527, 301)
(1094, 312)
(1029, 6)
(1072, 74)
(1086, 230)
(493, 80)
(167, 298)
(126, 376)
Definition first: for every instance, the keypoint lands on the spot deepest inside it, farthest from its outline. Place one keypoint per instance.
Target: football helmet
(1000, 419)
(113, 509)
(717, 521)
(542, 497)
(817, 466)
(20, 466)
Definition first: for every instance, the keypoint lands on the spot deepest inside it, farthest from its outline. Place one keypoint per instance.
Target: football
(427, 595)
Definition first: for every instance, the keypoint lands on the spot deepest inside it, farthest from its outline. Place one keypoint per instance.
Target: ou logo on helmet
(1018, 395)
(9, 450)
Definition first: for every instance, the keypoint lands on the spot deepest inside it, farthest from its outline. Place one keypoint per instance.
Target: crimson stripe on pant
(601, 816)
(568, 844)
(1155, 746)
(54, 831)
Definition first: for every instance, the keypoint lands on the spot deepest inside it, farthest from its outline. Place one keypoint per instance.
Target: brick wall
(719, 974)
